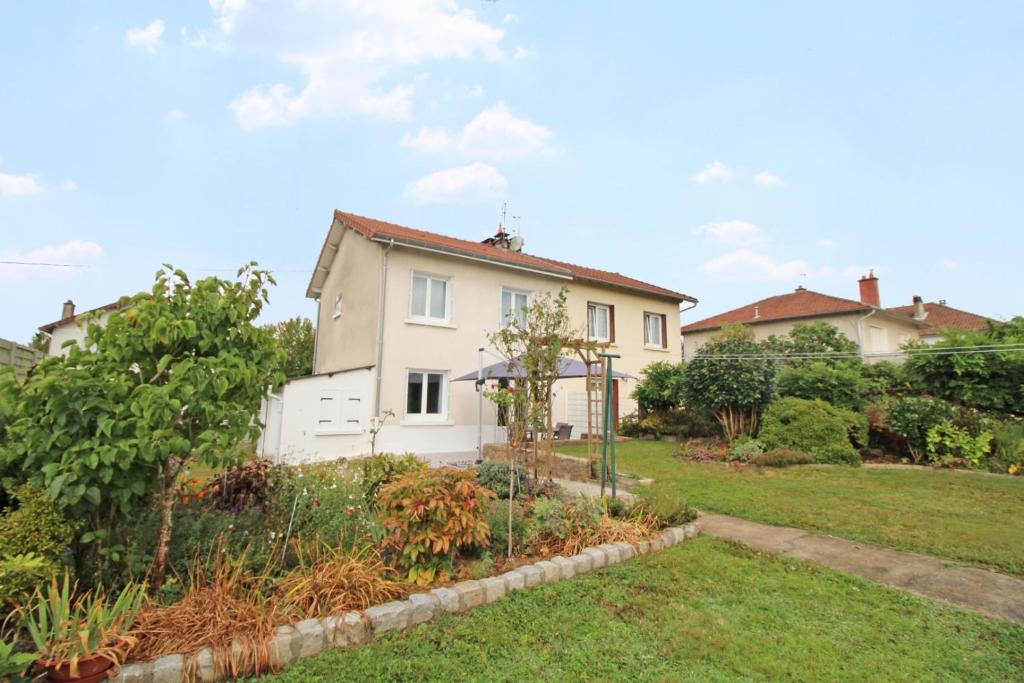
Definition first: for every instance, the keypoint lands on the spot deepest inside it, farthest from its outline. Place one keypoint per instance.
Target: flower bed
(259, 547)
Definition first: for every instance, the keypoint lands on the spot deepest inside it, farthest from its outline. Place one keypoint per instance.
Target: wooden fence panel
(18, 356)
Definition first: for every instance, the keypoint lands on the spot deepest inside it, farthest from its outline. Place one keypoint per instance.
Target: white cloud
(68, 185)
(768, 179)
(494, 134)
(522, 53)
(474, 182)
(73, 252)
(735, 233)
(429, 140)
(714, 172)
(174, 115)
(950, 264)
(147, 38)
(354, 56)
(510, 19)
(826, 243)
(23, 185)
(745, 265)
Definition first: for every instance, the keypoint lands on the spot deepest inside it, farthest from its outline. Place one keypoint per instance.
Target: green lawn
(702, 611)
(968, 518)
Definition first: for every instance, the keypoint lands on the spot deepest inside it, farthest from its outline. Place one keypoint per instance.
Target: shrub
(840, 384)
(911, 417)
(495, 476)
(987, 381)
(782, 457)
(37, 525)
(680, 422)
(629, 425)
(553, 520)
(432, 514)
(383, 468)
(732, 388)
(744, 449)
(20, 576)
(328, 499)
(949, 442)
(815, 427)
(660, 386)
(239, 486)
(496, 514)
(668, 509)
(1008, 447)
(880, 379)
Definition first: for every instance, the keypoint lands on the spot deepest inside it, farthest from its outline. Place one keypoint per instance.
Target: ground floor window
(425, 393)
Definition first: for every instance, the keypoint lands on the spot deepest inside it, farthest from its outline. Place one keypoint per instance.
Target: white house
(402, 312)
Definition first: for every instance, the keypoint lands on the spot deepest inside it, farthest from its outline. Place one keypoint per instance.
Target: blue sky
(729, 150)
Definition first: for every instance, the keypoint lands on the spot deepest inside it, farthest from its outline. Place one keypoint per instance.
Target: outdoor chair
(563, 431)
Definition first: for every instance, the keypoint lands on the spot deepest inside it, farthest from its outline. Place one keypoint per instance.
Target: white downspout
(860, 332)
(316, 335)
(380, 326)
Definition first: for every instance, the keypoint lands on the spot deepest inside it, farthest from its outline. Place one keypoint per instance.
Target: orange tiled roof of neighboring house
(803, 303)
(376, 229)
(940, 317)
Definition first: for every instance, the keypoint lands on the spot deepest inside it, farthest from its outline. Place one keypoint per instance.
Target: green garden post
(608, 428)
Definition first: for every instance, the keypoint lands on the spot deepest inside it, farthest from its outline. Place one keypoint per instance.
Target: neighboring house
(878, 332)
(70, 326)
(939, 317)
(402, 312)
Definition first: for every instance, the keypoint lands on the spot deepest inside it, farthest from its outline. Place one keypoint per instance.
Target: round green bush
(815, 427)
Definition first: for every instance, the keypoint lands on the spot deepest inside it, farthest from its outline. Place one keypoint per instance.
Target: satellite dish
(516, 243)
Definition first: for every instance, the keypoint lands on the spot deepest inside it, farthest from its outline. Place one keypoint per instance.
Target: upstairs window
(429, 300)
(654, 330)
(513, 307)
(425, 394)
(601, 322)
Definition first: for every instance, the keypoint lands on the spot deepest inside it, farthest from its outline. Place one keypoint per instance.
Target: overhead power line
(47, 265)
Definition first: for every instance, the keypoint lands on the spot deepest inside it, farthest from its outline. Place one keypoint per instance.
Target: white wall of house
(73, 329)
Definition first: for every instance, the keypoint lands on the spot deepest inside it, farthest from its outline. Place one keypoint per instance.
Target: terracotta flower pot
(91, 669)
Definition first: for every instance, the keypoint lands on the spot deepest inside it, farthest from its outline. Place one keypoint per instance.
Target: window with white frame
(514, 304)
(599, 322)
(337, 307)
(425, 394)
(430, 298)
(654, 330)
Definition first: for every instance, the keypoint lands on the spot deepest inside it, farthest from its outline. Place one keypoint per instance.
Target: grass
(972, 519)
(703, 611)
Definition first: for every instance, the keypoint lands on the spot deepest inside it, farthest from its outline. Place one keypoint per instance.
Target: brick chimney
(869, 290)
(919, 312)
(68, 311)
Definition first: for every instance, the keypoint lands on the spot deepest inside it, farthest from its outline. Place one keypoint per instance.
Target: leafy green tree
(40, 341)
(992, 381)
(660, 386)
(840, 384)
(296, 338)
(174, 377)
(734, 389)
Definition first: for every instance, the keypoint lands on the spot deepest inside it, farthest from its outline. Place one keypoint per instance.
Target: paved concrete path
(991, 593)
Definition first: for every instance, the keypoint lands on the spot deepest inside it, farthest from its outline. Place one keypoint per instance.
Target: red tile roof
(803, 303)
(942, 317)
(375, 229)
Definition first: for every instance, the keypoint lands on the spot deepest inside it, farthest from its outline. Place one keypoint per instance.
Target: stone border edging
(310, 637)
